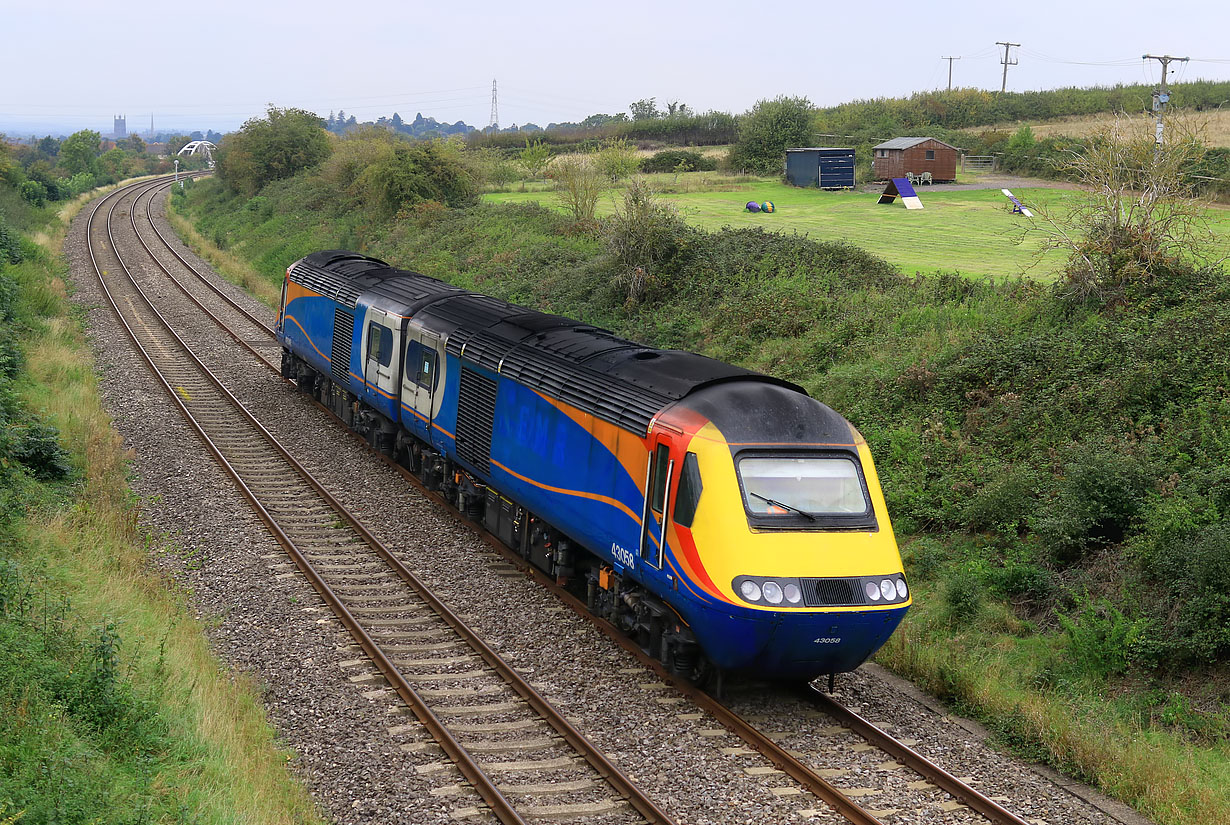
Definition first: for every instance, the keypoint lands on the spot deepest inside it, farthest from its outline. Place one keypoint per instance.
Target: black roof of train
(590, 368)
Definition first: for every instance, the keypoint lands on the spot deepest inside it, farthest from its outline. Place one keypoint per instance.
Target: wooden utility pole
(1004, 86)
(950, 59)
(1162, 96)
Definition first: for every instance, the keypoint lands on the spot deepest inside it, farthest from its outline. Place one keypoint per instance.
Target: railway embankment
(112, 707)
(1055, 466)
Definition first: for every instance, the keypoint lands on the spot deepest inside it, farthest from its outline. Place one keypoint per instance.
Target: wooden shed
(915, 155)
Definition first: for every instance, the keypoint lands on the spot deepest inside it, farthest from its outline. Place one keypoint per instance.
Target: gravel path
(269, 624)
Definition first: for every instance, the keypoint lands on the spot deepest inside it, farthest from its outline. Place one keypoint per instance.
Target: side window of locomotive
(661, 469)
(380, 344)
(426, 377)
(688, 496)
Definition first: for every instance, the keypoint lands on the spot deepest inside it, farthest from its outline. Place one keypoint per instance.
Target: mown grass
(1056, 472)
(112, 706)
(972, 232)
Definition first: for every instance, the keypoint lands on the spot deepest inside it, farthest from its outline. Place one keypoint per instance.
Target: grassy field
(968, 231)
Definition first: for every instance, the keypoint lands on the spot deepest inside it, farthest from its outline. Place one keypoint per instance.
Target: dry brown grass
(1216, 131)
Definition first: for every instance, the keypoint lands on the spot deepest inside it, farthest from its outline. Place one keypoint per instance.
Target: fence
(978, 163)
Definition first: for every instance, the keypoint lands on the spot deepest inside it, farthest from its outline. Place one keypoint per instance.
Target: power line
(1162, 96)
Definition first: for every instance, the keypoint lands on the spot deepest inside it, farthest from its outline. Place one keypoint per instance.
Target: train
(723, 518)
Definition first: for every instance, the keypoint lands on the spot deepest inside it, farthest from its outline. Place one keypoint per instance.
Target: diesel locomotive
(724, 518)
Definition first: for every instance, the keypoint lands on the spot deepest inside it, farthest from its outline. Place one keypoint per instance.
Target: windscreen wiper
(783, 506)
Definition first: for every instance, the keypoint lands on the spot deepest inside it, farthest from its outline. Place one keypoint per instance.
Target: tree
(49, 146)
(397, 122)
(113, 163)
(279, 145)
(771, 127)
(535, 157)
(79, 152)
(645, 109)
(175, 143)
(617, 159)
(676, 109)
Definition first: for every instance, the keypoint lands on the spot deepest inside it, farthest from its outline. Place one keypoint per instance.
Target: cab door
(656, 512)
(382, 356)
(422, 384)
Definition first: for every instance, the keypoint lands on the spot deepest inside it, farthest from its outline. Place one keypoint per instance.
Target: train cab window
(661, 472)
(426, 376)
(791, 486)
(379, 344)
(688, 496)
(413, 354)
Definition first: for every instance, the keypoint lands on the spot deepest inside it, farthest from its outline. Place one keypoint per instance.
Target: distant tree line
(49, 169)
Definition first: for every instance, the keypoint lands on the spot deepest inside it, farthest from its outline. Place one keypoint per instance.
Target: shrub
(963, 597)
(646, 233)
(34, 192)
(10, 244)
(1096, 500)
(37, 446)
(678, 160)
(1099, 638)
(578, 183)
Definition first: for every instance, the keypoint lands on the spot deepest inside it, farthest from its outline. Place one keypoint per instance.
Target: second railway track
(386, 611)
(523, 748)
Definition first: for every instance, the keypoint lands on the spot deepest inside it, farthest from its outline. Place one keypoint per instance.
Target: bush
(10, 244)
(678, 160)
(578, 183)
(1100, 638)
(771, 127)
(34, 192)
(616, 159)
(37, 446)
(644, 235)
(1097, 499)
(963, 598)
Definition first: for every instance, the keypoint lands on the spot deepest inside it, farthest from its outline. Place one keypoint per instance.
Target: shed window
(881, 153)
(930, 154)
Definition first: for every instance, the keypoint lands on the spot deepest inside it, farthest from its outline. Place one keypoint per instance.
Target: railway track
(385, 618)
(523, 749)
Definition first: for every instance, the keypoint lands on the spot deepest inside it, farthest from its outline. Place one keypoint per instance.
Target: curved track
(389, 607)
(442, 671)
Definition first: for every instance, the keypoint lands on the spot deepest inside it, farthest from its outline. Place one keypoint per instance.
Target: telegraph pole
(1162, 96)
(950, 59)
(1004, 86)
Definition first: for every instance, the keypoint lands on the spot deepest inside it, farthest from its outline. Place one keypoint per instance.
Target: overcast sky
(211, 65)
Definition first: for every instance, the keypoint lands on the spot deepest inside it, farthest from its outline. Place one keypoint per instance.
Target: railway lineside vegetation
(1055, 455)
(112, 708)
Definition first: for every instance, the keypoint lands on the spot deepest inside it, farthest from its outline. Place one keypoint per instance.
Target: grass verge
(112, 706)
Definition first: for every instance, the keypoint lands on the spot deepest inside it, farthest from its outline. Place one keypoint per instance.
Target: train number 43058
(623, 555)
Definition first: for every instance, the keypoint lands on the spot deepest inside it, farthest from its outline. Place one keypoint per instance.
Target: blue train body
(636, 475)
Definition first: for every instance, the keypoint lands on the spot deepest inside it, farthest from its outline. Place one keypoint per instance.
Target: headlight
(750, 590)
(888, 590)
(793, 593)
(773, 592)
(902, 592)
(873, 591)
